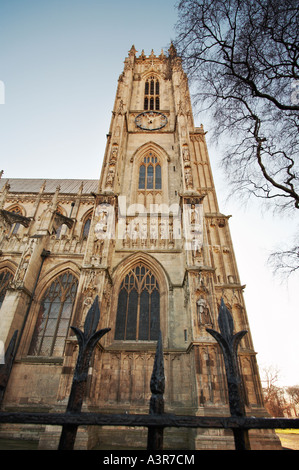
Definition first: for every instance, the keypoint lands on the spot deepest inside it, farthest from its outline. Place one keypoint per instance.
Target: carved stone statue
(203, 313)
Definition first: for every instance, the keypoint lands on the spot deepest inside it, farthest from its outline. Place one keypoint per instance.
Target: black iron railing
(157, 420)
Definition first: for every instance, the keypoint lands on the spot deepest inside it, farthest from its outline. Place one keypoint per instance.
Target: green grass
(18, 444)
(287, 431)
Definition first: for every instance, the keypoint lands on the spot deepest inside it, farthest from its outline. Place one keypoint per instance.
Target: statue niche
(204, 317)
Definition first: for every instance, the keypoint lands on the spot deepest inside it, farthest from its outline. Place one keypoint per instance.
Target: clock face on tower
(151, 120)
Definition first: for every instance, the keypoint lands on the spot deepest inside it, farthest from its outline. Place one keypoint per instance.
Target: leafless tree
(242, 60)
(293, 392)
(275, 402)
(285, 262)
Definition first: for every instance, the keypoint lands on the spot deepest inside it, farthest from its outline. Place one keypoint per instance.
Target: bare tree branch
(242, 59)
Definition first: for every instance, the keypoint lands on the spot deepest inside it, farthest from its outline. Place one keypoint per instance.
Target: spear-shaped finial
(227, 339)
(155, 435)
(87, 341)
(158, 379)
(229, 343)
(6, 364)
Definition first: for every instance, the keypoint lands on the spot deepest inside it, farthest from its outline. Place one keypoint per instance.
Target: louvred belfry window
(151, 94)
(54, 317)
(138, 309)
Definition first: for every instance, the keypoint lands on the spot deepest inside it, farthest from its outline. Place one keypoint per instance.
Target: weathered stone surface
(191, 277)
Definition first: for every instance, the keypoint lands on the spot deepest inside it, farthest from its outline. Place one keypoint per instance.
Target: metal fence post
(87, 341)
(229, 343)
(5, 368)
(157, 384)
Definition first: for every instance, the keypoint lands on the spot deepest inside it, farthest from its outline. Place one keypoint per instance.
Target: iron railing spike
(229, 343)
(92, 318)
(225, 321)
(5, 368)
(87, 341)
(157, 385)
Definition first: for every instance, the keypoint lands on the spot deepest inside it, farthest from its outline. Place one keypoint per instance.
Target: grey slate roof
(67, 186)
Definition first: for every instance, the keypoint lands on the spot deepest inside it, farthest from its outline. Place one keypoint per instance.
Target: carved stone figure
(110, 176)
(188, 177)
(203, 313)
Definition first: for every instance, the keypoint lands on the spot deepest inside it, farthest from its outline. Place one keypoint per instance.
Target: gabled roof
(67, 186)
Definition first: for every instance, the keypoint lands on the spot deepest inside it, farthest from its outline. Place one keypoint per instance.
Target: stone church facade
(149, 240)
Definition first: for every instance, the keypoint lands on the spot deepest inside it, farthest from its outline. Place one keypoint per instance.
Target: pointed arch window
(15, 227)
(151, 94)
(138, 309)
(150, 173)
(54, 317)
(86, 226)
(5, 278)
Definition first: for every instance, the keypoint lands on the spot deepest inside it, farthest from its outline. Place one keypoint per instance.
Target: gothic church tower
(164, 253)
(149, 240)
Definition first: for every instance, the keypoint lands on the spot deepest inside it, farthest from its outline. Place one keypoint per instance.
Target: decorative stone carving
(121, 107)
(113, 155)
(186, 154)
(188, 177)
(18, 280)
(4, 192)
(12, 218)
(60, 219)
(110, 176)
(204, 317)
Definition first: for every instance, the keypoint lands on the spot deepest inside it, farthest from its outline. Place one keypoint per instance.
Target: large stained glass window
(138, 309)
(54, 317)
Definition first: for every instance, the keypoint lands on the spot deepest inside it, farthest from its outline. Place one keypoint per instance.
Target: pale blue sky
(60, 61)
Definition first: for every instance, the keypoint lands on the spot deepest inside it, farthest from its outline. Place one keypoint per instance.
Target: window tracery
(54, 316)
(152, 94)
(150, 173)
(138, 309)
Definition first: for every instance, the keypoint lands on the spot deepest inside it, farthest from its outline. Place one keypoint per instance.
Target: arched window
(86, 229)
(151, 94)
(54, 317)
(5, 277)
(150, 173)
(138, 309)
(86, 226)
